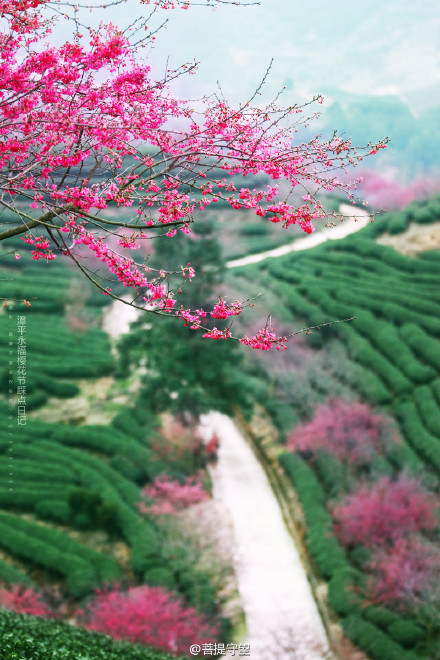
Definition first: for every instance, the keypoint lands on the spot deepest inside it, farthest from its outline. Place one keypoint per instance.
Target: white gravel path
(348, 226)
(283, 622)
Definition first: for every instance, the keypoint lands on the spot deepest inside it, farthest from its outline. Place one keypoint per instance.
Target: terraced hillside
(389, 358)
(69, 490)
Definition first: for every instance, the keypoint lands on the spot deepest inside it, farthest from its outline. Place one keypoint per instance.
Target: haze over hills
(377, 64)
(378, 61)
(369, 48)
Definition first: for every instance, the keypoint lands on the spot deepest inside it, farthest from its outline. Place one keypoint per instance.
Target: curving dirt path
(356, 219)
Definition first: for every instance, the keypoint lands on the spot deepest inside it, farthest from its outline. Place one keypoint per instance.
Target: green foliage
(380, 616)
(35, 400)
(341, 595)
(118, 491)
(80, 575)
(106, 568)
(90, 511)
(56, 387)
(127, 423)
(428, 409)
(407, 633)
(54, 510)
(130, 470)
(321, 541)
(404, 457)
(187, 373)
(398, 222)
(11, 575)
(363, 352)
(28, 497)
(33, 638)
(326, 551)
(373, 641)
(106, 440)
(385, 338)
(197, 590)
(160, 577)
(282, 414)
(330, 471)
(421, 343)
(423, 442)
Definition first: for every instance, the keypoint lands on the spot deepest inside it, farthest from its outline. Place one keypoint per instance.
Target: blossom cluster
(85, 129)
(169, 497)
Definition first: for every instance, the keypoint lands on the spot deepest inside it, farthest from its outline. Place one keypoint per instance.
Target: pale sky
(371, 47)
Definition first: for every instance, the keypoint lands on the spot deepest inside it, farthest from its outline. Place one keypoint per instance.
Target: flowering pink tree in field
(147, 615)
(405, 573)
(169, 497)
(92, 147)
(24, 600)
(380, 513)
(350, 431)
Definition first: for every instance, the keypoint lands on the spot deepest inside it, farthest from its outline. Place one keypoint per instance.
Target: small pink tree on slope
(85, 130)
(405, 574)
(147, 615)
(348, 430)
(387, 517)
(24, 600)
(380, 513)
(169, 496)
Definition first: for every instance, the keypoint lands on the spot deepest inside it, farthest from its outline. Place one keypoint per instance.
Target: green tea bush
(11, 575)
(160, 577)
(23, 637)
(54, 510)
(406, 632)
(127, 423)
(421, 343)
(380, 616)
(26, 497)
(128, 469)
(303, 478)
(405, 458)
(36, 400)
(428, 409)
(359, 556)
(422, 441)
(80, 575)
(106, 567)
(138, 532)
(27, 472)
(386, 340)
(322, 544)
(387, 255)
(390, 311)
(398, 222)
(370, 385)
(282, 414)
(326, 551)
(361, 350)
(373, 641)
(341, 594)
(330, 471)
(57, 388)
(435, 387)
(90, 511)
(379, 466)
(105, 439)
